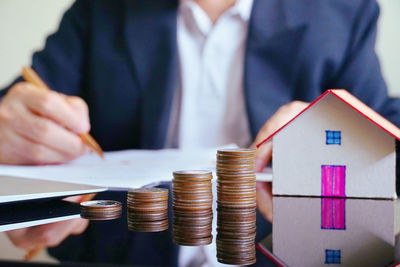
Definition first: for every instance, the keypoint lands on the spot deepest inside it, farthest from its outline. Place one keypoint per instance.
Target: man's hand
(281, 117)
(41, 127)
(264, 152)
(47, 235)
(264, 199)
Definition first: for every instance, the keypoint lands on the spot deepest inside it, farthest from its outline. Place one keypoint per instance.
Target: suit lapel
(270, 63)
(150, 31)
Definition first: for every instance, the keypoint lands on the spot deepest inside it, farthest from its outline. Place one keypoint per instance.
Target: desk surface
(305, 232)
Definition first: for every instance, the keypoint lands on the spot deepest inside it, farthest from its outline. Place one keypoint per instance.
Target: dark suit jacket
(121, 57)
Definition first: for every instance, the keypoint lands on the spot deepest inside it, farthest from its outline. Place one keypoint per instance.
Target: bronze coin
(191, 197)
(148, 229)
(147, 200)
(177, 183)
(150, 209)
(177, 232)
(148, 204)
(194, 221)
(200, 173)
(149, 191)
(192, 241)
(190, 208)
(192, 213)
(100, 217)
(237, 167)
(236, 151)
(237, 262)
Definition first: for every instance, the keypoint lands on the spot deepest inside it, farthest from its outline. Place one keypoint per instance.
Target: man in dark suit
(124, 59)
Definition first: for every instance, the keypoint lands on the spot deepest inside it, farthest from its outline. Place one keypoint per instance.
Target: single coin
(153, 191)
(101, 204)
(147, 199)
(147, 229)
(190, 234)
(192, 213)
(236, 151)
(191, 183)
(193, 220)
(146, 209)
(101, 217)
(193, 197)
(148, 204)
(193, 175)
(190, 208)
(237, 262)
(192, 241)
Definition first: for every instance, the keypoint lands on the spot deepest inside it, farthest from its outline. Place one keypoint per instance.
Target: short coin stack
(101, 209)
(148, 209)
(236, 189)
(192, 208)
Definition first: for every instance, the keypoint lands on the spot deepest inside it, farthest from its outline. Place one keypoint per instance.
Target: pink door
(333, 180)
(333, 213)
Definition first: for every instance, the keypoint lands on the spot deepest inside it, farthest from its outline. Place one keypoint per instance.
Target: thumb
(264, 199)
(263, 156)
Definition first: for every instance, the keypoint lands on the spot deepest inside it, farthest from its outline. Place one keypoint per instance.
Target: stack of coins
(236, 189)
(101, 210)
(192, 205)
(148, 209)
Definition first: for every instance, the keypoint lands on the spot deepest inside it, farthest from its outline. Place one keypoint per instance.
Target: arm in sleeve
(360, 72)
(61, 63)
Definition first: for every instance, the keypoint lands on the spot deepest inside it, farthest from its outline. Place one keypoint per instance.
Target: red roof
(358, 106)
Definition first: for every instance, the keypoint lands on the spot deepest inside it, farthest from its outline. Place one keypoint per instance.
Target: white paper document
(125, 169)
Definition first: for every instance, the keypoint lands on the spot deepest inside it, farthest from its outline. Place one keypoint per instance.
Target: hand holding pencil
(40, 126)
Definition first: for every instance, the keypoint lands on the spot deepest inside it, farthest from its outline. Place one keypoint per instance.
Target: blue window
(332, 256)
(333, 138)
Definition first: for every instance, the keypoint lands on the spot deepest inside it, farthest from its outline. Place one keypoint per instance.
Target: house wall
(300, 149)
(368, 239)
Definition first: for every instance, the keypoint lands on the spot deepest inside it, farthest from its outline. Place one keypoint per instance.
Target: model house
(333, 232)
(336, 147)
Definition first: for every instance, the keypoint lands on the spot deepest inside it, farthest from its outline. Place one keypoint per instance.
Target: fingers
(263, 156)
(51, 235)
(48, 235)
(264, 152)
(19, 150)
(48, 133)
(283, 115)
(264, 199)
(40, 127)
(69, 112)
(81, 198)
(17, 238)
(79, 227)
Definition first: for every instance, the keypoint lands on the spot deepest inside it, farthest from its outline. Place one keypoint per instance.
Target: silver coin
(101, 204)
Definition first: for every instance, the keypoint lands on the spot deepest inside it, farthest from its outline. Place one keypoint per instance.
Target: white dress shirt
(210, 104)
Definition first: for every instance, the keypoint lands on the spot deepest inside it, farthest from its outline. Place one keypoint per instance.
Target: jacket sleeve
(360, 72)
(61, 63)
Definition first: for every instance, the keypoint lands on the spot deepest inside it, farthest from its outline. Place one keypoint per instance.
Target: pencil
(32, 77)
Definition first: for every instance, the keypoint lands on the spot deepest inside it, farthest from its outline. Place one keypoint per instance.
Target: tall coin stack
(192, 204)
(148, 209)
(236, 223)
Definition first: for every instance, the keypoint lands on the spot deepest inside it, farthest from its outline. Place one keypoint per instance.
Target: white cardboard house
(333, 232)
(336, 147)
